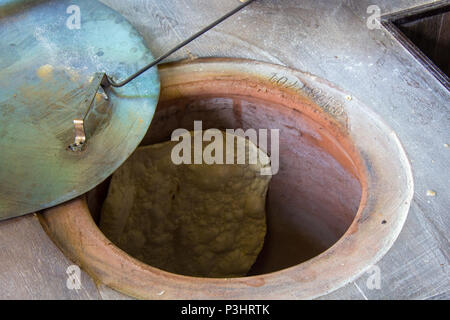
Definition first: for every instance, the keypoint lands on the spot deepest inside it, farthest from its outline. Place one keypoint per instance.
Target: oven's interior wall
(313, 198)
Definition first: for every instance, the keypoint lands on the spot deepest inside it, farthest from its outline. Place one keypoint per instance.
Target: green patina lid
(48, 58)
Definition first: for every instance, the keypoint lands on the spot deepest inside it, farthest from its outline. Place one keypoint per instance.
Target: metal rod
(178, 47)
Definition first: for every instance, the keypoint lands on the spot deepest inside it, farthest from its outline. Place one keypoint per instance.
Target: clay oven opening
(316, 194)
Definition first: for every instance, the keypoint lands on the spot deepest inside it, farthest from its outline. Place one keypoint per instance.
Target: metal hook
(80, 131)
(102, 81)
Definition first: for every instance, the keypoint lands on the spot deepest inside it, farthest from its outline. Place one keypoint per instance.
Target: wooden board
(32, 267)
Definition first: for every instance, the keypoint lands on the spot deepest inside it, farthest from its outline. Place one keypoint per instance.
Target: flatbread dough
(191, 219)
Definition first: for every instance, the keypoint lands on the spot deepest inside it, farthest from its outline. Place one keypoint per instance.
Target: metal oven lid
(50, 52)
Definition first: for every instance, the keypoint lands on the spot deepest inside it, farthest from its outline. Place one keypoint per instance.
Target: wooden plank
(110, 294)
(32, 267)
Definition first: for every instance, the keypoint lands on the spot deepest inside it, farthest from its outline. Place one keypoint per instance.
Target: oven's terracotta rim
(346, 259)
